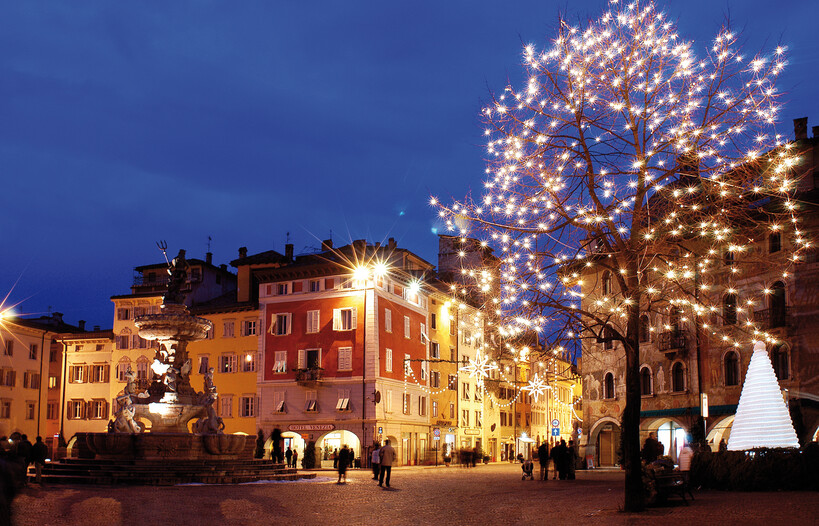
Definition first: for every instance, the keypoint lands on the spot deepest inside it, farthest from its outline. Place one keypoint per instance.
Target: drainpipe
(364, 446)
(40, 390)
(62, 396)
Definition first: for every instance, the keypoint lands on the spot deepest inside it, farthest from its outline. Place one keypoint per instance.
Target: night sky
(125, 123)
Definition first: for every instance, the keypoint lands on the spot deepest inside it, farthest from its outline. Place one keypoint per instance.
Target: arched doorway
(721, 430)
(333, 441)
(671, 434)
(605, 436)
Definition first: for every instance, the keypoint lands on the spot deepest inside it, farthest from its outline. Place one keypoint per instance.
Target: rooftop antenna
(209, 240)
(287, 239)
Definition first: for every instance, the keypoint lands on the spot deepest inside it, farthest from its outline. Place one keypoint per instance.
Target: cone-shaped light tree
(626, 153)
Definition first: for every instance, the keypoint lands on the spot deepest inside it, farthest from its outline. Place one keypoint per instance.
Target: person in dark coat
(543, 458)
(295, 458)
(571, 458)
(561, 455)
(289, 456)
(335, 458)
(342, 458)
(651, 449)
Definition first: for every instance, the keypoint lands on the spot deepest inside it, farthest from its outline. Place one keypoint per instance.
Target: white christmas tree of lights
(762, 416)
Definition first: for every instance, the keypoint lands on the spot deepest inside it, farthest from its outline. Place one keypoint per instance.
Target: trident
(163, 246)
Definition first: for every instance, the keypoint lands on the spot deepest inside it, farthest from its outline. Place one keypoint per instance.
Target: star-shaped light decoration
(479, 368)
(536, 386)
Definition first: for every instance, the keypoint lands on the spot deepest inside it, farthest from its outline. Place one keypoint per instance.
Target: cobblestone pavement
(493, 494)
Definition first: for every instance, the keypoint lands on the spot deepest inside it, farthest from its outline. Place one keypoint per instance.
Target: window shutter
(289, 323)
(354, 318)
(302, 359)
(71, 374)
(273, 320)
(87, 410)
(336, 319)
(107, 374)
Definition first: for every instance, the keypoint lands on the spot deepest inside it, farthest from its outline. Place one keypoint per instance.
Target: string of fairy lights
(621, 120)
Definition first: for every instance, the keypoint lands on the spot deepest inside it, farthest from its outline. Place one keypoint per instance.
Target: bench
(668, 484)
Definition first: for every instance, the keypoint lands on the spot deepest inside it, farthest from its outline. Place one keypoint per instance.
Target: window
(249, 362)
(774, 242)
(226, 406)
(123, 314)
(645, 328)
(434, 408)
(453, 356)
(138, 342)
(31, 410)
(227, 363)
(452, 382)
(343, 403)
(729, 309)
(452, 410)
(466, 337)
(608, 338)
(422, 406)
(388, 320)
(282, 288)
(26, 376)
(479, 395)
(249, 328)
(345, 359)
(606, 283)
(608, 386)
(53, 382)
(776, 302)
(99, 373)
(278, 402)
(678, 377)
(407, 403)
(76, 409)
(227, 329)
(9, 349)
(51, 411)
(731, 368)
(423, 333)
(312, 321)
(32, 351)
(5, 408)
(309, 359)
(345, 319)
(247, 405)
(53, 356)
(433, 321)
(310, 403)
(388, 402)
(478, 418)
(434, 350)
(781, 362)
(465, 418)
(388, 361)
(9, 378)
(98, 410)
(502, 418)
(315, 285)
(465, 391)
(281, 324)
(204, 363)
(280, 362)
(76, 374)
(645, 381)
(143, 364)
(406, 327)
(122, 367)
(434, 379)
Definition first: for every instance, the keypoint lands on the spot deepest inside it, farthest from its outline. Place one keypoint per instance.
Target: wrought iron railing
(313, 374)
(672, 341)
(772, 318)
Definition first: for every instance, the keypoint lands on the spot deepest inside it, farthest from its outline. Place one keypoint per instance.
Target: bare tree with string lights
(621, 176)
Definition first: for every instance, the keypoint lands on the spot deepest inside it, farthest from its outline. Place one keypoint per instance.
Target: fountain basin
(163, 446)
(174, 324)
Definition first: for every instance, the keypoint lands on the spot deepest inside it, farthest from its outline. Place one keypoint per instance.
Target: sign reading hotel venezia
(311, 427)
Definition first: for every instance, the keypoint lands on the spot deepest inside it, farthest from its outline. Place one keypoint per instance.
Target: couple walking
(382, 460)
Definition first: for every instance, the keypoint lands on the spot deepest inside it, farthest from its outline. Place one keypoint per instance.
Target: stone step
(166, 480)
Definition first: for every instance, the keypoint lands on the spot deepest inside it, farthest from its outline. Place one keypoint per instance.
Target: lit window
(227, 363)
(280, 362)
(345, 319)
(249, 363)
(388, 320)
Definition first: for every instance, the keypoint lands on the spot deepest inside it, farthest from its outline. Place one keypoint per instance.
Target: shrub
(308, 461)
(757, 470)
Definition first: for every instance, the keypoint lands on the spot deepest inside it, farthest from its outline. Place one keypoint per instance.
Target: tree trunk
(634, 500)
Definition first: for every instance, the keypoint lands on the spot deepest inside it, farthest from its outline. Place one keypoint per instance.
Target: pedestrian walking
(334, 456)
(376, 462)
(543, 458)
(288, 455)
(295, 458)
(685, 456)
(39, 452)
(342, 459)
(387, 458)
(571, 459)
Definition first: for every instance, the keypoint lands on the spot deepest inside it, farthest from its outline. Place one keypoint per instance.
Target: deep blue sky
(122, 123)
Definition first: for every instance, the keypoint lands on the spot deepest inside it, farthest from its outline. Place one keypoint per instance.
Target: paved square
(493, 494)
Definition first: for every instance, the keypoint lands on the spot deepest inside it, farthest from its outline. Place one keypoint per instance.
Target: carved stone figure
(170, 379)
(178, 272)
(660, 380)
(210, 424)
(130, 383)
(124, 422)
(210, 389)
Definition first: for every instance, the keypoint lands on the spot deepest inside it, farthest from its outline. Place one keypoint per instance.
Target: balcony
(311, 375)
(772, 318)
(672, 341)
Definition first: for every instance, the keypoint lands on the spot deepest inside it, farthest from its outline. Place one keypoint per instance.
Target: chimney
(800, 128)
(81, 325)
(96, 328)
(242, 252)
(57, 317)
(223, 266)
(327, 244)
(815, 132)
(288, 251)
(209, 258)
(391, 244)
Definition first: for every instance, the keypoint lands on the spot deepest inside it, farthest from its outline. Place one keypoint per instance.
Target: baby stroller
(527, 468)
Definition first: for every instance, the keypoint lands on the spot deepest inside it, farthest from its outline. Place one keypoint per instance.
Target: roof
(89, 335)
(267, 257)
(46, 323)
(224, 303)
(191, 261)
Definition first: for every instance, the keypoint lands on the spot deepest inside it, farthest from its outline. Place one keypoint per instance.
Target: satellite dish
(377, 397)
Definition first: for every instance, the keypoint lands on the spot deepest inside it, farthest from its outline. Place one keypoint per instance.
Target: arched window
(781, 362)
(122, 367)
(776, 302)
(678, 377)
(143, 365)
(608, 338)
(606, 283)
(731, 368)
(646, 387)
(729, 309)
(608, 386)
(774, 242)
(645, 326)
